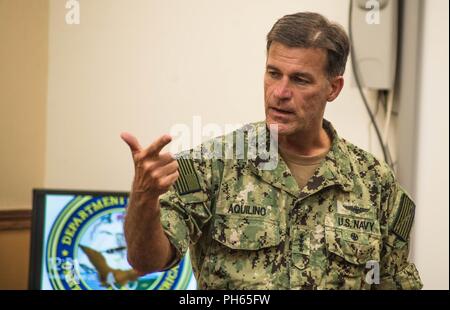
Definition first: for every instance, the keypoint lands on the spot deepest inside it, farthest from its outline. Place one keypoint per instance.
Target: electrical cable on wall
(384, 147)
(388, 103)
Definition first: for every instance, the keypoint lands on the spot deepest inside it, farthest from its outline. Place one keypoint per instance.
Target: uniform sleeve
(185, 208)
(396, 272)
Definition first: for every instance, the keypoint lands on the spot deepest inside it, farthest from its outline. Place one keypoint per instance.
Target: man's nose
(282, 90)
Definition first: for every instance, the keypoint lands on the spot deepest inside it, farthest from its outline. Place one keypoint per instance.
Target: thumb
(132, 142)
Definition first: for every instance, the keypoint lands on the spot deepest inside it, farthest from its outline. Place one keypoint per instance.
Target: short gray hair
(312, 30)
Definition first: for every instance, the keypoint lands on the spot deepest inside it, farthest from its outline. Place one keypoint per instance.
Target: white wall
(431, 226)
(144, 65)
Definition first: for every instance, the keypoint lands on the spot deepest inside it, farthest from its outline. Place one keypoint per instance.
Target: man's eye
(299, 80)
(273, 74)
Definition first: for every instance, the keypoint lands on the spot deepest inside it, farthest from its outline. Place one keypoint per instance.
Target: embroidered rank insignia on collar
(188, 179)
(405, 217)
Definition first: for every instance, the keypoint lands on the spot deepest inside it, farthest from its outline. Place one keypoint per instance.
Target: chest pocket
(247, 238)
(241, 232)
(349, 249)
(354, 247)
(244, 252)
(247, 214)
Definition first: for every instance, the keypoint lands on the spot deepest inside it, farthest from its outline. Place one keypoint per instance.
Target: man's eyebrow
(270, 67)
(293, 74)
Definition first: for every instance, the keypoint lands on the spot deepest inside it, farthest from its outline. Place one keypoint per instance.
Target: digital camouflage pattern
(248, 228)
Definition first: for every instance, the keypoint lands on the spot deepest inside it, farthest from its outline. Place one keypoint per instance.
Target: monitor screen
(77, 243)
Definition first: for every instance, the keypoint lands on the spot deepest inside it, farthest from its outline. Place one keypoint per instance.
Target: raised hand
(155, 171)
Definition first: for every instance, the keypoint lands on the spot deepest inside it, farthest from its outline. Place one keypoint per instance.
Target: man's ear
(336, 85)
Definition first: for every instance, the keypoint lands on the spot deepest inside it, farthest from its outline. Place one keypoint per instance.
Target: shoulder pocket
(195, 211)
(195, 205)
(245, 233)
(353, 246)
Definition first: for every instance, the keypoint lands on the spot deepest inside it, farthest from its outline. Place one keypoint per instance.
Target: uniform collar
(336, 169)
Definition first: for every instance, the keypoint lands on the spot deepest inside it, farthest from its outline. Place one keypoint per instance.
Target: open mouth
(280, 111)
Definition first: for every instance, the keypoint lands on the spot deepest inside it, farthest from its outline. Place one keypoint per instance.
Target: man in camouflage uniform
(327, 215)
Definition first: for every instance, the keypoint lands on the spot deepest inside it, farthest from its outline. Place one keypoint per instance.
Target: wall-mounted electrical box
(374, 34)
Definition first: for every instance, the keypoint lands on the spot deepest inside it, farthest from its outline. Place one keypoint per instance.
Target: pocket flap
(245, 233)
(353, 246)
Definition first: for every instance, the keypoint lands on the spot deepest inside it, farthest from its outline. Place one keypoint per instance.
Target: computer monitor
(77, 243)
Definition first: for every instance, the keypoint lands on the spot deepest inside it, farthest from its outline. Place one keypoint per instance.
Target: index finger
(157, 146)
(132, 142)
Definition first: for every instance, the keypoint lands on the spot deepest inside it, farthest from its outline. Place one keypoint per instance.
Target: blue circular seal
(86, 250)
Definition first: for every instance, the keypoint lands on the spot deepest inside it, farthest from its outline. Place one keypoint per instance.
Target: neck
(308, 142)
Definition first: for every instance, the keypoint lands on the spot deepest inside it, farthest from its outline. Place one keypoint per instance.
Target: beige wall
(23, 98)
(23, 95)
(14, 259)
(432, 221)
(144, 65)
